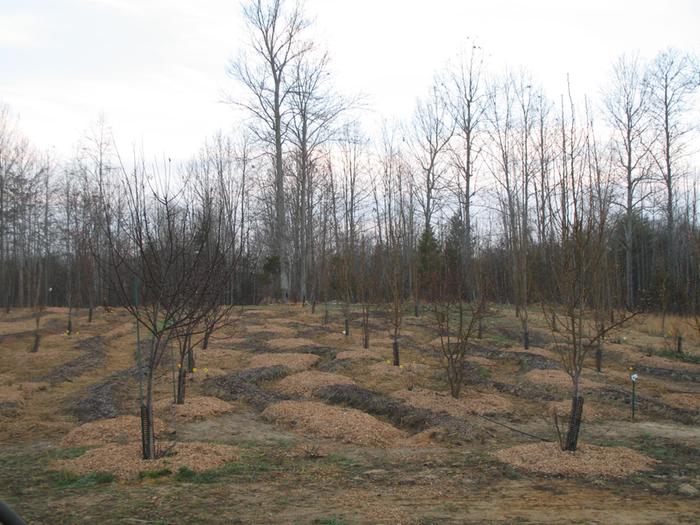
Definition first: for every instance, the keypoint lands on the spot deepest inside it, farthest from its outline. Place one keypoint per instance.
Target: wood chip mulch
(588, 460)
(290, 343)
(468, 403)
(271, 328)
(343, 424)
(11, 394)
(122, 429)
(126, 462)
(357, 355)
(194, 408)
(591, 412)
(683, 400)
(293, 361)
(556, 378)
(304, 383)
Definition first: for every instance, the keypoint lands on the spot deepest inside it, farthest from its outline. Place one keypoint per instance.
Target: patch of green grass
(73, 481)
(349, 465)
(250, 468)
(67, 453)
(154, 474)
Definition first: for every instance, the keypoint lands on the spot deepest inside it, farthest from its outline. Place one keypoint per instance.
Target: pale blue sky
(156, 68)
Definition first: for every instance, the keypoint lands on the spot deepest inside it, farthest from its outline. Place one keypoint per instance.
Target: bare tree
(626, 105)
(276, 42)
(467, 105)
(672, 79)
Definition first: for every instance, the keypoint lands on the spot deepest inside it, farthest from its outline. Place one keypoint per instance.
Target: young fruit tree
(578, 262)
(164, 263)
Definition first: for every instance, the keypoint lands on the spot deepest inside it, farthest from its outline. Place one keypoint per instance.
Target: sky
(156, 69)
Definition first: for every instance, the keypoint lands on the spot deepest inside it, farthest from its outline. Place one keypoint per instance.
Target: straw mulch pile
(304, 383)
(122, 429)
(344, 424)
(126, 462)
(194, 408)
(556, 378)
(588, 460)
(470, 403)
(290, 343)
(293, 361)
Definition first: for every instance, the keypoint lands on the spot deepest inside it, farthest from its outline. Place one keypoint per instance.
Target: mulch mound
(120, 430)
(591, 412)
(344, 424)
(293, 361)
(102, 400)
(556, 378)
(588, 460)
(477, 403)
(304, 383)
(126, 462)
(357, 355)
(290, 343)
(244, 386)
(194, 408)
(688, 401)
(271, 329)
(11, 394)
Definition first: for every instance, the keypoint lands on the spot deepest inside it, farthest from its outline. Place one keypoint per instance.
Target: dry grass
(293, 361)
(125, 461)
(304, 383)
(290, 343)
(588, 460)
(194, 408)
(469, 403)
(344, 424)
(120, 430)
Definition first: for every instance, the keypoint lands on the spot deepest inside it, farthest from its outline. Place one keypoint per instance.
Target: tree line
(480, 181)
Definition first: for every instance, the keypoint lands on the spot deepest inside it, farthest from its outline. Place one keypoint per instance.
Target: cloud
(19, 30)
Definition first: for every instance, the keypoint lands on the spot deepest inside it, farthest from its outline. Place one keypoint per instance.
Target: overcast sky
(156, 68)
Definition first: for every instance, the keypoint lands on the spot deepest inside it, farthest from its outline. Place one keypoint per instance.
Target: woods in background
(490, 173)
